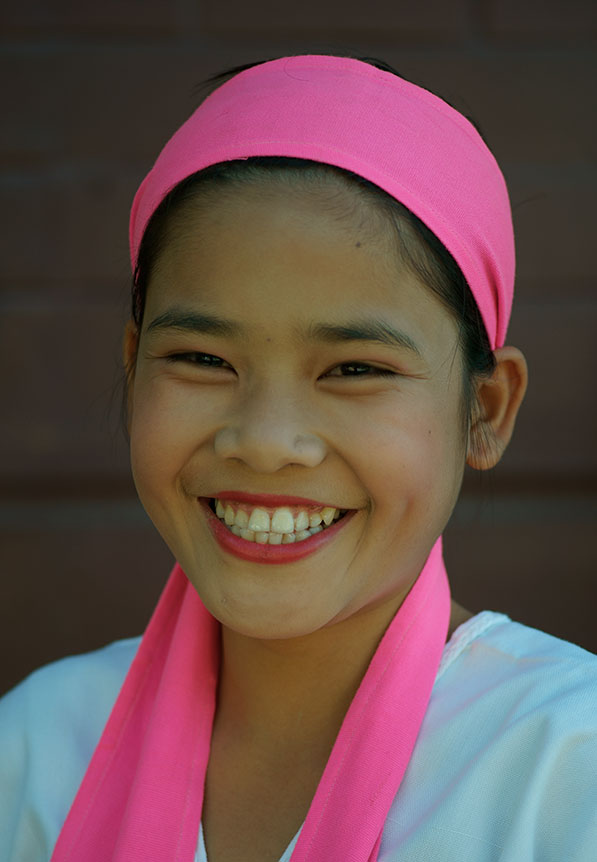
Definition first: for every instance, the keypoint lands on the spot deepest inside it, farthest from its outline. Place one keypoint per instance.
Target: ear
(499, 398)
(130, 345)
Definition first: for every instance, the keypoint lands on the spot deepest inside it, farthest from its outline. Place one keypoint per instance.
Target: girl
(323, 272)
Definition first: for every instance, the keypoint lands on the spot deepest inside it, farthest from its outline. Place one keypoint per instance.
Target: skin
(283, 412)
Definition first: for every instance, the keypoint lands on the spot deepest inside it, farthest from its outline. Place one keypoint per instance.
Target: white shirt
(504, 769)
(201, 854)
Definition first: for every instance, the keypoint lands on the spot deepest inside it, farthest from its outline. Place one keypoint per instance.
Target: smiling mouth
(283, 525)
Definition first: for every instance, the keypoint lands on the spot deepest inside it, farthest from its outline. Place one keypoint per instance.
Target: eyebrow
(371, 330)
(192, 321)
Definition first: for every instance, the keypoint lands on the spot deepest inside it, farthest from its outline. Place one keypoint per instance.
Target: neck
(288, 692)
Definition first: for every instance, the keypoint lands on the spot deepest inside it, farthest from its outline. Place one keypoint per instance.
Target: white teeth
(282, 521)
(327, 515)
(259, 521)
(281, 529)
(302, 522)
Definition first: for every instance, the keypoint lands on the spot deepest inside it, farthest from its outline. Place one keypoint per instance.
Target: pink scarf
(142, 794)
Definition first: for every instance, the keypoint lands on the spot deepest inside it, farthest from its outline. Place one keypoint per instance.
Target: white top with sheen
(504, 769)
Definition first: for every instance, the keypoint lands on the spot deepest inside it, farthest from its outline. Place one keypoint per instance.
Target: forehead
(276, 253)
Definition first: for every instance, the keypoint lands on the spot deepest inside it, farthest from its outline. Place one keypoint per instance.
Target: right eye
(196, 358)
(203, 360)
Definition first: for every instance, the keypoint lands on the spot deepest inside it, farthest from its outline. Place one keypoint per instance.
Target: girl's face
(286, 351)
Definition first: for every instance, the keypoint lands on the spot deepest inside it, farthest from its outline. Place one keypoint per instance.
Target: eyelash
(192, 359)
(371, 370)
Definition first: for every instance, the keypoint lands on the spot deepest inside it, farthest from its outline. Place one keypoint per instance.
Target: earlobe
(498, 401)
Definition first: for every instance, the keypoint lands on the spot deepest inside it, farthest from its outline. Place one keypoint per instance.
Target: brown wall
(91, 93)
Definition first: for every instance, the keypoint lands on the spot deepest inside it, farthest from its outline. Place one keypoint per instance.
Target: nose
(269, 430)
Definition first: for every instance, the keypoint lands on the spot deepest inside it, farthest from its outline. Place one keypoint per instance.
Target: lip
(271, 501)
(272, 554)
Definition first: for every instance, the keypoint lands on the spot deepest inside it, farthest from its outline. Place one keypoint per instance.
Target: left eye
(360, 369)
(205, 360)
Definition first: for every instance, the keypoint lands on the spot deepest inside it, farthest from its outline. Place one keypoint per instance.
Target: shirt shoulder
(541, 672)
(505, 767)
(49, 726)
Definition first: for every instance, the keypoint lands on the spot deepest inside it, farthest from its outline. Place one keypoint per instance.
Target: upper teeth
(281, 520)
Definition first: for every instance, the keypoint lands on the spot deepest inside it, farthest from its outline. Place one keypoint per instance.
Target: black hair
(420, 249)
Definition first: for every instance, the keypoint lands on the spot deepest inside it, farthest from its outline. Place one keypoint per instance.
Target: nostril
(268, 448)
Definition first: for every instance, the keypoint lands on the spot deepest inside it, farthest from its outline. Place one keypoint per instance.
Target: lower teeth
(273, 538)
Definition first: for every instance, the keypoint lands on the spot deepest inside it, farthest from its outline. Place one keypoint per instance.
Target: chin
(267, 619)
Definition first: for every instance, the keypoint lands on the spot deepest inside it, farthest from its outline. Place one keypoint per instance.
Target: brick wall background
(91, 94)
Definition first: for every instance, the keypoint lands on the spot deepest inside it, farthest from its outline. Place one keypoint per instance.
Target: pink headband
(347, 113)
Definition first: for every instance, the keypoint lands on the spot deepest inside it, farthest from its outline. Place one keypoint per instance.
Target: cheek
(412, 455)
(162, 430)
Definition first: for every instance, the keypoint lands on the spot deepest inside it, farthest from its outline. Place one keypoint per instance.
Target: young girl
(323, 273)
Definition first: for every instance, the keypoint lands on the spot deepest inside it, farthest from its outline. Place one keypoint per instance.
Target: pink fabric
(352, 115)
(141, 797)
(143, 790)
